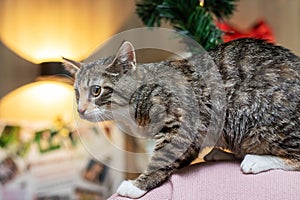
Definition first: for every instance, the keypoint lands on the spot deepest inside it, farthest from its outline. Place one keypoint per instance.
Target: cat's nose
(81, 111)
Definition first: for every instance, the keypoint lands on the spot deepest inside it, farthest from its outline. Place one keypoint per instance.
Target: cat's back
(253, 53)
(238, 60)
(257, 64)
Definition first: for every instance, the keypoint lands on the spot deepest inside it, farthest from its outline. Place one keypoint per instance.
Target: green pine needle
(188, 17)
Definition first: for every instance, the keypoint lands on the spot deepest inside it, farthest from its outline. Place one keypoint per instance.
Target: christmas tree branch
(188, 17)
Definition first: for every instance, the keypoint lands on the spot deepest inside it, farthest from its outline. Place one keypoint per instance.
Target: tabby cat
(261, 118)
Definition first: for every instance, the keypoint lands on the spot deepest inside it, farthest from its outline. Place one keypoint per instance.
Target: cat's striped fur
(261, 83)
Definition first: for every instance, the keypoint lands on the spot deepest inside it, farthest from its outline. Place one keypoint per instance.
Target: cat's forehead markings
(84, 72)
(96, 81)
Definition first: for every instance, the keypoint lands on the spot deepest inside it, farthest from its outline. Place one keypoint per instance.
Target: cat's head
(95, 82)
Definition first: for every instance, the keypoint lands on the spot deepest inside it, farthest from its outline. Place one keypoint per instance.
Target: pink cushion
(224, 180)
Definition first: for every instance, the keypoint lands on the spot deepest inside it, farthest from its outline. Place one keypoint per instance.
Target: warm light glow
(41, 101)
(44, 30)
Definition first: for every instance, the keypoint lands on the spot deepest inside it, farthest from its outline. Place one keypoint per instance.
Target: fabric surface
(225, 181)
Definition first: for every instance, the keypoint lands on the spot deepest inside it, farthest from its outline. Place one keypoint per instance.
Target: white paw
(127, 189)
(260, 163)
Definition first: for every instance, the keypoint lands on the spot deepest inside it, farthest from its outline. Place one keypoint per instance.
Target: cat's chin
(93, 119)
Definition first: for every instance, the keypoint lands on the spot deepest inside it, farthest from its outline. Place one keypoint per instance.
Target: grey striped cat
(261, 119)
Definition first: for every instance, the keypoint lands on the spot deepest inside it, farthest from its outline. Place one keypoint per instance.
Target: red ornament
(260, 30)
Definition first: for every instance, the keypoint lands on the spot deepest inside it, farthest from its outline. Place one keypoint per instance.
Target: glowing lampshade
(41, 101)
(44, 30)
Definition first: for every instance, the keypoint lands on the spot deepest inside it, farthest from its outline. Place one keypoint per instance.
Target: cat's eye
(95, 90)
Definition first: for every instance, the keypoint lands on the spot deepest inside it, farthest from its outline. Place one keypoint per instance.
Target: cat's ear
(125, 59)
(126, 53)
(71, 66)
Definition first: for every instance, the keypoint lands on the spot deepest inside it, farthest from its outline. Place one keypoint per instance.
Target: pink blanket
(224, 180)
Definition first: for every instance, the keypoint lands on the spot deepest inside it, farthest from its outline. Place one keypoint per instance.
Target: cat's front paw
(127, 189)
(260, 163)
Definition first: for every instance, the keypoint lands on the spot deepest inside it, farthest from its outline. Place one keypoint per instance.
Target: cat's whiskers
(97, 114)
